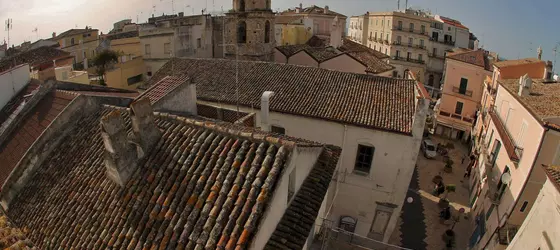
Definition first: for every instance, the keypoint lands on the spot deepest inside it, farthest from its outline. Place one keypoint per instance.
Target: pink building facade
(457, 109)
(516, 133)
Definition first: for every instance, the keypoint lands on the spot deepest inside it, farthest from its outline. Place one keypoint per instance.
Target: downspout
(341, 161)
(522, 188)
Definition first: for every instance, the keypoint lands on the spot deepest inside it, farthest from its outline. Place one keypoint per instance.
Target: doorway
(383, 214)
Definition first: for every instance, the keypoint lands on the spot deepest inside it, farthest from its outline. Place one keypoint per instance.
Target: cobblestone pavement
(427, 169)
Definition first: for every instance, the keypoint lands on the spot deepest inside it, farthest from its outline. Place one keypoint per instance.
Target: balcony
(456, 116)
(420, 46)
(514, 152)
(371, 39)
(491, 90)
(468, 93)
(386, 42)
(396, 28)
(396, 42)
(435, 56)
(507, 233)
(447, 42)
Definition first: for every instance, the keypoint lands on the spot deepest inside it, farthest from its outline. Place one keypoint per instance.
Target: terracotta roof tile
(199, 187)
(523, 61)
(349, 46)
(476, 57)
(12, 237)
(163, 88)
(544, 99)
(553, 173)
(72, 32)
(362, 100)
(30, 128)
(33, 57)
(453, 22)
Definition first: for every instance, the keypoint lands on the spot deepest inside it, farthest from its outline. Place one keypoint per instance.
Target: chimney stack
(144, 128)
(181, 14)
(525, 84)
(265, 110)
(539, 53)
(123, 154)
(121, 157)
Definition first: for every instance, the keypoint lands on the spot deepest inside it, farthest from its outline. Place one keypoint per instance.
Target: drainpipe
(522, 188)
(341, 161)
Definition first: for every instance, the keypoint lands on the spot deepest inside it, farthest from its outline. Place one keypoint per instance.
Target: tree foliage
(103, 61)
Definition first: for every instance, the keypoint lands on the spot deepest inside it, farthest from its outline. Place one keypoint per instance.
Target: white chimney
(525, 83)
(265, 110)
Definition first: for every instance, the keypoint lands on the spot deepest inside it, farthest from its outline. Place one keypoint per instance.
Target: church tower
(250, 25)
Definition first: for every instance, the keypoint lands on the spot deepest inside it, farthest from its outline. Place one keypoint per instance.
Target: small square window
(524, 206)
(278, 130)
(364, 158)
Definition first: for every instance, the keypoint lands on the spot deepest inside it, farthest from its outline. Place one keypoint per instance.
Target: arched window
(267, 32)
(242, 5)
(242, 32)
(347, 223)
(431, 80)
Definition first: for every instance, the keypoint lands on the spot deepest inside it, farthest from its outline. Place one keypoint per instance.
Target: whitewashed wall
(12, 81)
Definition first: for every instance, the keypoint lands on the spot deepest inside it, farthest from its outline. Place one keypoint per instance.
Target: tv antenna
(8, 28)
(36, 31)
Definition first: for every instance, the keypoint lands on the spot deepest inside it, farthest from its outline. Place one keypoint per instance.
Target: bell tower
(250, 26)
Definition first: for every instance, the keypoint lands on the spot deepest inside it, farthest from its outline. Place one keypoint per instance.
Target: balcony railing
(465, 92)
(435, 56)
(421, 46)
(396, 42)
(397, 28)
(491, 90)
(456, 116)
(514, 152)
(452, 43)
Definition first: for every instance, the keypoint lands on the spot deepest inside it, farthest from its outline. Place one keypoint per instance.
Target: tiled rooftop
(544, 100)
(357, 99)
(553, 173)
(203, 185)
(290, 50)
(349, 45)
(508, 63)
(11, 237)
(322, 54)
(475, 57)
(33, 57)
(29, 129)
(122, 35)
(72, 32)
(311, 10)
(164, 87)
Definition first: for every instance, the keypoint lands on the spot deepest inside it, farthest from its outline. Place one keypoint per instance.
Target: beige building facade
(81, 43)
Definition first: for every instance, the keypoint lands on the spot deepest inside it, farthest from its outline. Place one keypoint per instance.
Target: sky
(512, 28)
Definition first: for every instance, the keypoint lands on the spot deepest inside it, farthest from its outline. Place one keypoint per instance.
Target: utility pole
(8, 28)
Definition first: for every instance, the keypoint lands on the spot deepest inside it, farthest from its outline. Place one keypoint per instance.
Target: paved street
(427, 209)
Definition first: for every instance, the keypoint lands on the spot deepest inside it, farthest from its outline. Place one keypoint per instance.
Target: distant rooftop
(475, 57)
(553, 173)
(316, 10)
(523, 61)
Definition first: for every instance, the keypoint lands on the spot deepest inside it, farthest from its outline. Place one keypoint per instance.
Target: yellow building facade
(293, 34)
(81, 43)
(126, 74)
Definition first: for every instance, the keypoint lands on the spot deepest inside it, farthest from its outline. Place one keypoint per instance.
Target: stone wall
(255, 47)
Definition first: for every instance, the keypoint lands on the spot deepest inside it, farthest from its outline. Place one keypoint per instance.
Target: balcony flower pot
(449, 238)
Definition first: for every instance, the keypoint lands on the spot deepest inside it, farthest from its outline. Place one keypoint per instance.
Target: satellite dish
(506, 178)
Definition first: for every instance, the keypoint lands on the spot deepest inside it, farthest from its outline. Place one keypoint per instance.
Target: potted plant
(448, 166)
(449, 238)
(444, 202)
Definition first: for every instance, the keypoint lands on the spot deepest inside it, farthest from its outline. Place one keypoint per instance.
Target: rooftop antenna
(555, 51)
(398, 4)
(8, 28)
(36, 30)
(406, 5)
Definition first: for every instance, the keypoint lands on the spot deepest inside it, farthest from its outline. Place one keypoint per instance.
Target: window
(490, 139)
(422, 43)
(386, 51)
(399, 39)
(398, 53)
(381, 37)
(242, 32)
(524, 206)
(502, 186)
(199, 43)
(387, 37)
(395, 72)
(423, 29)
(490, 211)
(463, 86)
(420, 57)
(448, 28)
(85, 55)
(167, 48)
(382, 22)
(375, 36)
(134, 79)
(373, 47)
(495, 152)
(267, 32)
(431, 80)
(72, 41)
(435, 36)
(521, 135)
(364, 158)
(399, 25)
(434, 51)
(459, 108)
(278, 130)
(408, 55)
(411, 26)
(242, 5)
(410, 41)
(147, 49)
(291, 184)
(93, 53)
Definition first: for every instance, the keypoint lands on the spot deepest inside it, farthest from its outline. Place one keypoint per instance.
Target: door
(379, 225)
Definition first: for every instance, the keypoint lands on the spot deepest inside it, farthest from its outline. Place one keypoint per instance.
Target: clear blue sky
(513, 28)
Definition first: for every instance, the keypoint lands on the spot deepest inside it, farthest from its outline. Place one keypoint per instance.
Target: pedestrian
(470, 166)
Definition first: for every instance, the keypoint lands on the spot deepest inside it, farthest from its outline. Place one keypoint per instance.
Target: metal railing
(337, 238)
(463, 92)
